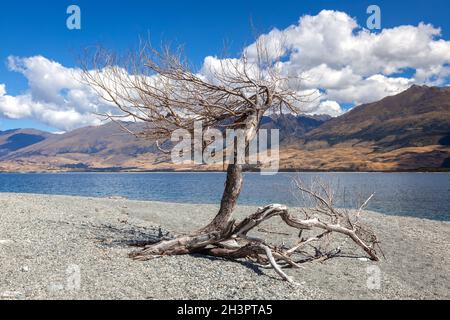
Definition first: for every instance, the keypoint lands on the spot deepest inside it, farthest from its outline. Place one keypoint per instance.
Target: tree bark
(233, 187)
(233, 184)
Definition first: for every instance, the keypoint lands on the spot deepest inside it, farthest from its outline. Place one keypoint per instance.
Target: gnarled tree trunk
(219, 229)
(233, 187)
(234, 181)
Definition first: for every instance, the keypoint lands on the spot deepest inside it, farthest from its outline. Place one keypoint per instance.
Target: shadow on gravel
(253, 267)
(110, 236)
(124, 236)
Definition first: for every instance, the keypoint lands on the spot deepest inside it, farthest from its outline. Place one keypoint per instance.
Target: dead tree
(159, 88)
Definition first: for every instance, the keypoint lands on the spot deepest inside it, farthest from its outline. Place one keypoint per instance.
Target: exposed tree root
(234, 242)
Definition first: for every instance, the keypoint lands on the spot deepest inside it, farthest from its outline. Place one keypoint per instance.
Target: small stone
(364, 259)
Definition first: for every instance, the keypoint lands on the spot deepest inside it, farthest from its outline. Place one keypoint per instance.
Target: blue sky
(32, 28)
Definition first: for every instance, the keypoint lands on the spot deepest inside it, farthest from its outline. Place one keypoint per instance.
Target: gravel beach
(58, 247)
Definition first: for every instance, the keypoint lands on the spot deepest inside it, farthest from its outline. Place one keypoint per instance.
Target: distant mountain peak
(407, 130)
(415, 117)
(419, 86)
(424, 88)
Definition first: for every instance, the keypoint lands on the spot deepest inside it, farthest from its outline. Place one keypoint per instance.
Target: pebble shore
(59, 247)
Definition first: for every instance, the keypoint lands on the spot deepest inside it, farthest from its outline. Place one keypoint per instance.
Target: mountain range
(408, 131)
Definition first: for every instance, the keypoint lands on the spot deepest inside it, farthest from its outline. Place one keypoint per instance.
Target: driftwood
(234, 242)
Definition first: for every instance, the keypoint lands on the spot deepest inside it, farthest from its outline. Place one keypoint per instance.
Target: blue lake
(425, 195)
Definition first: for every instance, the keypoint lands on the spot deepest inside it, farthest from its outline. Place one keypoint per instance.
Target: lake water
(425, 195)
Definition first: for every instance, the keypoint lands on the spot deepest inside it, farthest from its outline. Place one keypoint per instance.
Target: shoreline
(211, 204)
(107, 171)
(41, 236)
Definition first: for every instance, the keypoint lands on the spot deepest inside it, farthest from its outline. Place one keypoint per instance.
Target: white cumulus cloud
(330, 51)
(329, 107)
(54, 97)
